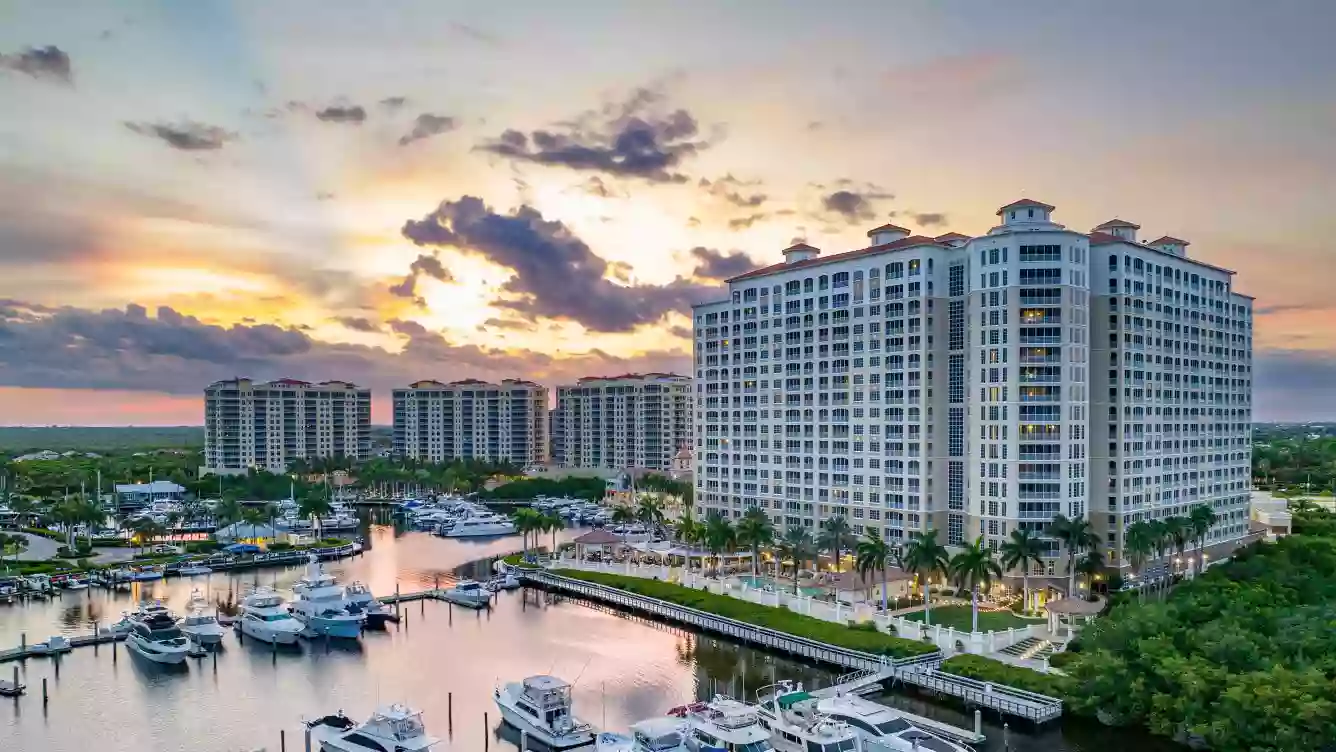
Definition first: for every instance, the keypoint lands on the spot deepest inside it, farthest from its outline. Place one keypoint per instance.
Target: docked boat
(146, 574)
(53, 645)
(264, 617)
(155, 636)
(395, 728)
(470, 593)
(11, 689)
(319, 604)
(541, 706)
(796, 726)
(77, 583)
(724, 724)
(194, 570)
(199, 625)
(119, 628)
(666, 734)
(888, 726)
(479, 526)
(506, 581)
(357, 598)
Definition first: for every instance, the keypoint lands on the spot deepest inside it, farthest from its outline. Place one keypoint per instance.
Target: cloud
(595, 186)
(187, 135)
(393, 103)
(423, 265)
(930, 219)
(474, 33)
(729, 189)
(337, 113)
(742, 223)
(554, 273)
(714, 265)
(357, 323)
(854, 206)
(427, 125)
(630, 140)
(50, 63)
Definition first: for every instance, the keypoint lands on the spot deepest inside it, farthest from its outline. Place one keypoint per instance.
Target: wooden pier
(26, 649)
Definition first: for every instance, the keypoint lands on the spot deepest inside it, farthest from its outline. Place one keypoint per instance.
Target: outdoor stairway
(1038, 652)
(1025, 648)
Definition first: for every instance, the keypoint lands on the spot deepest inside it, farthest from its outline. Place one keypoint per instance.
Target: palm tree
(1019, 551)
(1177, 533)
(1138, 544)
(874, 553)
(754, 530)
(622, 516)
(228, 511)
(719, 536)
(650, 513)
(313, 506)
(972, 567)
(24, 507)
(253, 516)
(553, 523)
(925, 557)
(67, 514)
(528, 521)
(1075, 536)
(1200, 520)
(796, 545)
(1090, 565)
(835, 536)
(689, 531)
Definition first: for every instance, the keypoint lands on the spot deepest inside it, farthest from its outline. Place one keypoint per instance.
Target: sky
(387, 192)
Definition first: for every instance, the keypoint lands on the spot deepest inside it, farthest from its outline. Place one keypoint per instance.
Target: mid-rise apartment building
(472, 419)
(619, 422)
(267, 425)
(978, 385)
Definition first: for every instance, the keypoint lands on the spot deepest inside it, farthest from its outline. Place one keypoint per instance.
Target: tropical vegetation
(971, 569)
(925, 558)
(755, 530)
(797, 546)
(875, 554)
(1022, 551)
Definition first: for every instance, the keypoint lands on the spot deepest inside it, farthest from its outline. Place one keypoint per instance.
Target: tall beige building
(268, 425)
(472, 419)
(619, 422)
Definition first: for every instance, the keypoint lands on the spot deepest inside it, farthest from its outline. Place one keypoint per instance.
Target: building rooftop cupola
(887, 234)
(1025, 211)
(800, 252)
(1171, 245)
(1121, 229)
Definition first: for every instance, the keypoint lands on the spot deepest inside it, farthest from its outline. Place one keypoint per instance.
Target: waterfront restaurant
(132, 496)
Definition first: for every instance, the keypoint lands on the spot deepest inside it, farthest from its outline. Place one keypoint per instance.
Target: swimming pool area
(761, 583)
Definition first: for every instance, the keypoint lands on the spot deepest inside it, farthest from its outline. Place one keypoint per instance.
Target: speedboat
(119, 628)
(319, 604)
(201, 626)
(888, 726)
(77, 583)
(193, 570)
(478, 527)
(541, 707)
(357, 598)
(724, 724)
(395, 728)
(507, 581)
(264, 618)
(155, 636)
(146, 574)
(796, 726)
(53, 645)
(469, 593)
(665, 734)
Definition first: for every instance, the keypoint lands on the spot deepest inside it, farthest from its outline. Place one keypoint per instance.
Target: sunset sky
(388, 191)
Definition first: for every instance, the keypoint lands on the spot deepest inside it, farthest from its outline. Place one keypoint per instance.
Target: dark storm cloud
(714, 265)
(555, 274)
(187, 135)
(393, 103)
(930, 219)
(358, 323)
(423, 265)
(629, 140)
(854, 206)
(50, 62)
(427, 125)
(338, 113)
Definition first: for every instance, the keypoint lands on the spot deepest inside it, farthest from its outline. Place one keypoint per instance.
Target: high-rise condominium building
(267, 425)
(472, 419)
(619, 422)
(979, 385)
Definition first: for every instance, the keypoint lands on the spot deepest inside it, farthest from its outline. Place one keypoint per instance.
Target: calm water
(624, 668)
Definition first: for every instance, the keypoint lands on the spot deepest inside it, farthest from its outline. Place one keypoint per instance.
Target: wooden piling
(45, 697)
(449, 706)
(282, 740)
(486, 732)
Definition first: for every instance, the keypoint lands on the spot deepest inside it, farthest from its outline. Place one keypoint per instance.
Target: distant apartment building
(979, 385)
(268, 425)
(618, 422)
(472, 419)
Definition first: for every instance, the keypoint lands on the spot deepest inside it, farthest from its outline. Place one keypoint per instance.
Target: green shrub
(276, 547)
(1058, 660)
(203, 547)
(866, 626)
(52, 534)
(779, 619)
(997, 672)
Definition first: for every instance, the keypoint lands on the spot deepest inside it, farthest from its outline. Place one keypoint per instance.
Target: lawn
(958, 617)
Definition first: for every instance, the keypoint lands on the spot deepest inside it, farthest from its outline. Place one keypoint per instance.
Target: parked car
(163, 548)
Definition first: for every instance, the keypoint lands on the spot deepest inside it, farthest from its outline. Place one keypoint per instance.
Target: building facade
(267, 425)
(472, 419)
(618, 422)
(979, 385)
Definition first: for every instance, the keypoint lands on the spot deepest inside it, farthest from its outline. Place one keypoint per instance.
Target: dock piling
(486, 732)
(282, 740)
(16, 678)
(524, 740)
(307, 734)
(449, 707)
(978, 722)
(23, 642)
(45, 697)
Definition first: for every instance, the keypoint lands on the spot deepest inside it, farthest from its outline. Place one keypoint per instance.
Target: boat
(541, 707)
(394, 728)
(264, 618)
(470, 593)
(479, 526)
(193, 570)
(199, 625)
(665, 734)
(723, 724)
(357, 598)
(77, 583)
(118, 628)
(507, 581)
(53, 645)
(146, 574)
(319, 604)
(10, 689)
(795, 725)
(155, 636)
(888, 726)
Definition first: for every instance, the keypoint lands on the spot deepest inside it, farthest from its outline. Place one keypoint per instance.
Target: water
(624, 668)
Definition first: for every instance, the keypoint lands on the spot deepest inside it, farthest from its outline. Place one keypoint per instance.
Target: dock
(25, 650)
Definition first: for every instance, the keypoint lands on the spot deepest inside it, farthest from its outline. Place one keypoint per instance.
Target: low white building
(136, 495)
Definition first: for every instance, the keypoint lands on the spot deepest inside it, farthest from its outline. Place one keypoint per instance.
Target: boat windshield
(840, 746)
(761, 746)
(273, 617)
(894, 726)
(167, 633)
(407, 728)
(663, 743)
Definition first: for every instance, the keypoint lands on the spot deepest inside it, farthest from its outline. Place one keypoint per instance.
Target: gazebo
(597, 537)
(1071, 609)
(868, 588)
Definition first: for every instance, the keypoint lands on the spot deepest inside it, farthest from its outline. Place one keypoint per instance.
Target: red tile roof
(1167, 239)
(1100, 238)
(1103, 238)
(886, 228)
(1026, 203)
(802, 247)
(909, 242)
(1117, 223)
(952, 236)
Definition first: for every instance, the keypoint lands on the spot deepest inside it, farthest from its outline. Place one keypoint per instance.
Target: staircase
(1029, 648)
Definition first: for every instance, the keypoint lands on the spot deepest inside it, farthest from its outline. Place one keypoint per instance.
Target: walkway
(39, 548)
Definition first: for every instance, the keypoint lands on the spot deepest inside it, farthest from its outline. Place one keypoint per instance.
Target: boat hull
(343, 628)
(567, 741)
(279, 637)
(204, 638)
(165, 657)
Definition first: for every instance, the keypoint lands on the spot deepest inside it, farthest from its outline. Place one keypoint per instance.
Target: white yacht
(795, 725)
(653, 735)
(469, 593)
(155, 636)
(264, 618)
(478, 527)
(193, 570)
(395, 728)
(725, 725)
(357, 598)
(320, 606)
(541, 706)
(888, 726)
(199, 625)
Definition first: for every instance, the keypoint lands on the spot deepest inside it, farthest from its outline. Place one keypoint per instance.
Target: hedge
(997, 672)
(779, 619)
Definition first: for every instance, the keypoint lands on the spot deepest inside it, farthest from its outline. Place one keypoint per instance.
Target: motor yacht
(155, 636)
(470, 593)
(479, 526)
(541, 706)
(77, 583)
(319, 604)
(146, 574)
(394, 728)
(724, 724)
(795, 725)
(887, 726)
(665, 734)
(199, 625)
(53, 645)
(357, 598)
(264, 617)
(194, 570)
(506, 581)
